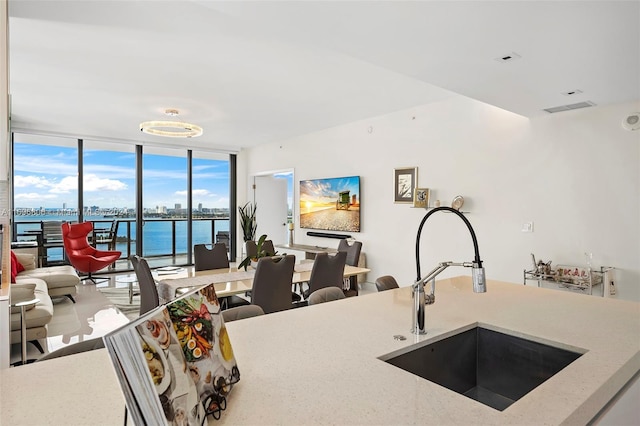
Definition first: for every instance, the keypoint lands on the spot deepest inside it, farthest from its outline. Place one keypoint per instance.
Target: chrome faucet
(420, 299)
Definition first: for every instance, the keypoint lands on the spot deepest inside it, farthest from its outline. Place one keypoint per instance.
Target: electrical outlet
(527, 227)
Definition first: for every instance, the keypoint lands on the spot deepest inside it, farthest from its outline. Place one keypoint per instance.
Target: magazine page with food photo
(151, 368)
(166, 366)
(175, 363)
(206, 347)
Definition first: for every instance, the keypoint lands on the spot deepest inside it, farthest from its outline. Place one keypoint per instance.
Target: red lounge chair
(82, 256)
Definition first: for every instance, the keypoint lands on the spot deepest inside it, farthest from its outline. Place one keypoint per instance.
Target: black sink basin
(493, 368)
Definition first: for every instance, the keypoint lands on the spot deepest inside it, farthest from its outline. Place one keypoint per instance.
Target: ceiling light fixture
(171, 129)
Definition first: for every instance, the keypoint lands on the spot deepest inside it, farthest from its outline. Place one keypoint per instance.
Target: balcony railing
(162, 237)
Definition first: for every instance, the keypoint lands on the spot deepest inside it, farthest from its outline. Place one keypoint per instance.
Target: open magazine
(175, 363)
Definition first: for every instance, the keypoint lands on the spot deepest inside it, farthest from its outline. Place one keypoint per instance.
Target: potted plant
(261, 251)
(248, 221)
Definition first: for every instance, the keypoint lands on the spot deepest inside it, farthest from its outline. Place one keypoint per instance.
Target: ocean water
(157, 233)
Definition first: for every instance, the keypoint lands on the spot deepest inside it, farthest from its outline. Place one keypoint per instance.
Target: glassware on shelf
(589, 259)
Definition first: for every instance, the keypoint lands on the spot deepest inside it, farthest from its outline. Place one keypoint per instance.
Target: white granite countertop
(319, 364)
(75, 390)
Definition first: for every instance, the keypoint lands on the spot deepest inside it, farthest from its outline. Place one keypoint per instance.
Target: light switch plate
(527, 227)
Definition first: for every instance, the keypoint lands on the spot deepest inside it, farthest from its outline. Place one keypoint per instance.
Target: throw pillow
(14, 267)
(21, 292)
(19, 265)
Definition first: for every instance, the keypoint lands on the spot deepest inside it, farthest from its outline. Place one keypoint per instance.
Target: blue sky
(326, 190)
(46, 176)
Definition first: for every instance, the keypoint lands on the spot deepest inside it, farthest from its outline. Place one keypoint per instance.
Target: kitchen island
(320, 364)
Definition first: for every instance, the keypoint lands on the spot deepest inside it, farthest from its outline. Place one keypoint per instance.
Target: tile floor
(93, 315)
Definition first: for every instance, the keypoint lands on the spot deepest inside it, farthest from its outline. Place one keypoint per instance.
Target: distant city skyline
(45, 176)
(21, 210)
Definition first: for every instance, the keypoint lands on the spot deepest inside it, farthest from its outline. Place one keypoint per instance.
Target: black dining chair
(76, 348)
(51, 240)
(268, 247)
(326, 294)
(241, 312)
(386, 282)
(272, 283)
(216, 258)
(252, 248)
(353, 257)
(149, 298)
(206, 258)
(107, 235)
(327, 271)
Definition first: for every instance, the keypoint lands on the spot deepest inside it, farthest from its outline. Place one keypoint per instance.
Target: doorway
(273, 194)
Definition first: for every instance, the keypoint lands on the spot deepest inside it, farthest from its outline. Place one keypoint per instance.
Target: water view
(158, 231)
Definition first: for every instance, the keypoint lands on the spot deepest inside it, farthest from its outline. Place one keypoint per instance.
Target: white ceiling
(258, 72)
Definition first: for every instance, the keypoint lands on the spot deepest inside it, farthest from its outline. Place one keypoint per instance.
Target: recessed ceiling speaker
(632, 121)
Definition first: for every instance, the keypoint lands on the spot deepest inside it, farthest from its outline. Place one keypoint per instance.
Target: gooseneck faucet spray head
(478, 275)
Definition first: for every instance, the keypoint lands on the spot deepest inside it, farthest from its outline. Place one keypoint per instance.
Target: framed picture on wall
(404, 184)
(421, 198)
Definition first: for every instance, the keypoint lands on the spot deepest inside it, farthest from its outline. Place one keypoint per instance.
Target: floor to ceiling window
(164, 202)
(46, 178)
(45, 186)
(109, 188)
(210, 198)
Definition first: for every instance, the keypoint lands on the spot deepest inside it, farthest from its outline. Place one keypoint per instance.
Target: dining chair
(76, 348)
(148, 291)
(51, 239)
(252, 248)
(216, 258)
(272, 283)
(327, 271)
(326, 294)
(386, 282)
(222, 237)
(353, 257)
(267, 246)
(241, 312)
(107, 235)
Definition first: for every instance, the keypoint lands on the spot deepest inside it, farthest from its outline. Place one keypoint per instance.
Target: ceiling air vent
(570, 107)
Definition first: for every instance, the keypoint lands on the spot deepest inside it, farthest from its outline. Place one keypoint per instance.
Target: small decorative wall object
(421, 199)
(457, 202)
(404, 180)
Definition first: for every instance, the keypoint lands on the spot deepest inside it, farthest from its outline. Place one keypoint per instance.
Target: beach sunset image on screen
(331, 204)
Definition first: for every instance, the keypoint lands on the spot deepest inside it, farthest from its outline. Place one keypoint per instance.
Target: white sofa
(36, 316)
(43, 284)
(60, 280)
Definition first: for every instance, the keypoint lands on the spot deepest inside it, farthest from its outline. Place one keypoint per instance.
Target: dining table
(230, 281)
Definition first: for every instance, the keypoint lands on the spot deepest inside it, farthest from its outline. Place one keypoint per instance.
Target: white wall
(4, 109)
(574, 174)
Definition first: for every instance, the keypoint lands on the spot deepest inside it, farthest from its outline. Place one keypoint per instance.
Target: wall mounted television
(331, 204)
